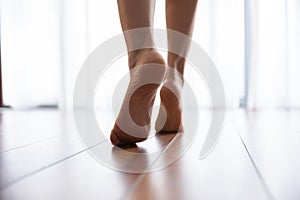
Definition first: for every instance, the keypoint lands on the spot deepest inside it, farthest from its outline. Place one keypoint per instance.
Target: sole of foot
(169, 116)
(133, 122)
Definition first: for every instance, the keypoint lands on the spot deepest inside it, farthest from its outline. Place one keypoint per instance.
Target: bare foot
(169, 116)
(133, 122)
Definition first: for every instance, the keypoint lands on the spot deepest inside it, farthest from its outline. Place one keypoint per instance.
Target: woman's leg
(138, 101)
(180, 15)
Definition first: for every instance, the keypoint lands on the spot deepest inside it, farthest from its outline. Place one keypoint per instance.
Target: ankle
(177, 64)
(134, 56)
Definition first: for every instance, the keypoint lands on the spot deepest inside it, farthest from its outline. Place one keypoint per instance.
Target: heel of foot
(120, 138)
(171, 102)
(149, 67)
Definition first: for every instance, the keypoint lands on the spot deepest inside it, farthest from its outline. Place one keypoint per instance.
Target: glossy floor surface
(257, 157)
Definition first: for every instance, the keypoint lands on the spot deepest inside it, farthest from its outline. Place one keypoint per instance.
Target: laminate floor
(257, 157)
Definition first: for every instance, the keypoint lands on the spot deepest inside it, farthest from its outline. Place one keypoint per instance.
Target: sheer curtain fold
(274, 66)
(45, 42)
(293, 43)
(30, 52)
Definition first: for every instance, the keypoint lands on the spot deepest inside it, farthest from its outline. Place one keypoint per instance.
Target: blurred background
(254, 44)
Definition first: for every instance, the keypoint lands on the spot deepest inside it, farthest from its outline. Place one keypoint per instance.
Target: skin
(180, 16)
(138, 14)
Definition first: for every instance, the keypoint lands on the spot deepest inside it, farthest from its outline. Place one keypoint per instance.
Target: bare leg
(180, 16)
(138, 101)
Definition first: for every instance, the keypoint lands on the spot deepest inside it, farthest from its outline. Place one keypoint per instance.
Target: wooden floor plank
(72, 173)
(80, 177)
(20, 163)
(274, 144)
(82, 171)
(226, 174)
(19, 129)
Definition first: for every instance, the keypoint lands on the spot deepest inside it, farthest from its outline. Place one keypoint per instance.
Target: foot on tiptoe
(133, 122)
(169, 117)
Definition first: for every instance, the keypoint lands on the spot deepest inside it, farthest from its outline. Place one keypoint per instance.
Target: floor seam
(34, 142)
(139, 179)
(260, 176)
(48, 166)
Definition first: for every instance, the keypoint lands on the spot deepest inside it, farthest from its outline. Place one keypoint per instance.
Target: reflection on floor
(257, 157)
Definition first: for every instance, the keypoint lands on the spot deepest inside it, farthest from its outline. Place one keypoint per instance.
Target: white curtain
(274, 62)
(44, 43)
(31, 52)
